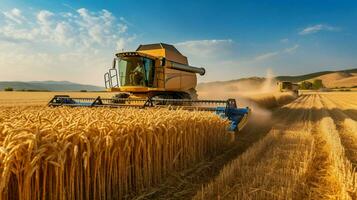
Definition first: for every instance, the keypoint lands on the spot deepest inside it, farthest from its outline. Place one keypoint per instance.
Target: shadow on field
(185, 184)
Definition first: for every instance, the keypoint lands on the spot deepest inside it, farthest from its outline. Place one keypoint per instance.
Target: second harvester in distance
(287, 86)
(157, 75)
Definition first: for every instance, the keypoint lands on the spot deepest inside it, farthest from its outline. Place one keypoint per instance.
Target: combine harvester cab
(156, 75)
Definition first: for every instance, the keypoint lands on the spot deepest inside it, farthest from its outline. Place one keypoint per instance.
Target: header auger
(156, 75)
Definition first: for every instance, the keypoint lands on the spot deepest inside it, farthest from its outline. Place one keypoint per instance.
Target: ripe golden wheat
(101, 153)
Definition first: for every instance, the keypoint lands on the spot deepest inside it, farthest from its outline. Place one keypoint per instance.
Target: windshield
(136, 71)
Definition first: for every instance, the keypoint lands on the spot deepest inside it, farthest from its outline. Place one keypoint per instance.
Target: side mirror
(162, 62)
(114, 63)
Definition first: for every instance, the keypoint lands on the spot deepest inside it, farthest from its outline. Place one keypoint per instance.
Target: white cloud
(82, 28)
(75, 45)
(99, 26)
(318, 28)
(273, 54)
(194, 44)
(267, 55)
(120, 44)
(210, 54)
(44, 17)
(14, 15)
(122, 19)
(123, 28)
(45, 24)
(292, 49)
(223, 61)
(63, 33)
(204, 48)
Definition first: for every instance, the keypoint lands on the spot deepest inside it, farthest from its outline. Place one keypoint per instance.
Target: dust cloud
(269, 84)
(241, 87)
(247, 92)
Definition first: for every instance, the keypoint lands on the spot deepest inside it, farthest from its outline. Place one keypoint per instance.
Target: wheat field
(101, 153)
(304, 148)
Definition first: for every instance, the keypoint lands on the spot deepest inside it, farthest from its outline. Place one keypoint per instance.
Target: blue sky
(76, 40)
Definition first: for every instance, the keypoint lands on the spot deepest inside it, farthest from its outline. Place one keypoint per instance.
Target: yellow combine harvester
(153, 70)
(156, 75)
(287, 86)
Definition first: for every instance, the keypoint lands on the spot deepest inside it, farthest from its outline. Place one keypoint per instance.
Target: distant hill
(48, 85)
(311, 76)
(338, 79)
(342, 78)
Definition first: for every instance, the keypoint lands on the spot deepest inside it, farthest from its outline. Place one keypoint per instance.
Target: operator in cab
(137, 75)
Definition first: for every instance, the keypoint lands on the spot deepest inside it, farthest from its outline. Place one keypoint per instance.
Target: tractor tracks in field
(346, 126)
(316, 180)
(330, 175)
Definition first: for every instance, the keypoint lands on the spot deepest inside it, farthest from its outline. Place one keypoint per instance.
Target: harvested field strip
(347, 108)
(86, 153)
(349, 101)
(330, 176)
(347, 129)
(302, 157)
(270, 169)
